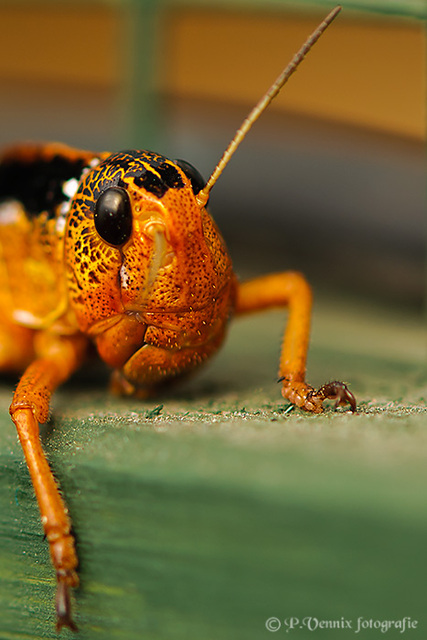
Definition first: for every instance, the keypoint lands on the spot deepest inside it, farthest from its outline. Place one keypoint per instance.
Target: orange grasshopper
(118, 250)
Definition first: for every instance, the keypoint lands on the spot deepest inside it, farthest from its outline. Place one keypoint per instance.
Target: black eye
(197, 180)
(113, 216)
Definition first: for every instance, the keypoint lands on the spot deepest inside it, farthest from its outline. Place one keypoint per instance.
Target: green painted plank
(203, 513)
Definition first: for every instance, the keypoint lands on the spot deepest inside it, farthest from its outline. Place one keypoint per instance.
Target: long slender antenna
(203, 195)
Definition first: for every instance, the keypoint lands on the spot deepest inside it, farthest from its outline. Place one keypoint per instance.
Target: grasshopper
(118, 251)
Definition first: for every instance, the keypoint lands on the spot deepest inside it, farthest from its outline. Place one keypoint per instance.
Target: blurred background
(331, 180)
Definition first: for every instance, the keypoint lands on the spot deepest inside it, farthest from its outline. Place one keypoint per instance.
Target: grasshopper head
(145, 262)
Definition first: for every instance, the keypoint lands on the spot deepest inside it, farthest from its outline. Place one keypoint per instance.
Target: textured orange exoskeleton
(118, 250)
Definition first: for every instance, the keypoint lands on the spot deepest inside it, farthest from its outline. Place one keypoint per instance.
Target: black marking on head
(38, 183)
(170, 175)
(159, 176)
(152, 183)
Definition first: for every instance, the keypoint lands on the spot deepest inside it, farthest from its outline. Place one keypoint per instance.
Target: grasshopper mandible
(118, 250)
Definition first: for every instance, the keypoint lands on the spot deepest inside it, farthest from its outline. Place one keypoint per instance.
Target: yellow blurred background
(331, 180)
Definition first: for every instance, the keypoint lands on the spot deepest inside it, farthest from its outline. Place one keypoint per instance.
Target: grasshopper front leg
(292, 290)
(58, 359)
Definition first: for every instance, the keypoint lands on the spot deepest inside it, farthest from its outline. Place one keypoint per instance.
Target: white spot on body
(10, 212)
(124, 278)
(70, 187)
(64, 207)
(60, 222)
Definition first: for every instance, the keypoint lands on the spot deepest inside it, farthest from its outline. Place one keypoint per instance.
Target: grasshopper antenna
(203, 195)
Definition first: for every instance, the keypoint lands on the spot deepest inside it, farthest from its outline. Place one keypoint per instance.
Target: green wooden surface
(203, 513)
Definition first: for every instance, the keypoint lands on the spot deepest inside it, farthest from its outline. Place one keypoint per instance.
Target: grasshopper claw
(337, 391)
(63, 607)
(309, 399)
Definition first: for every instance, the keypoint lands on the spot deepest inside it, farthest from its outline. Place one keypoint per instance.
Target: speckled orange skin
(155, 307)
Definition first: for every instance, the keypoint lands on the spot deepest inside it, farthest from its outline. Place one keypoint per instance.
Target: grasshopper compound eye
(197, 181)
(113, 216)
